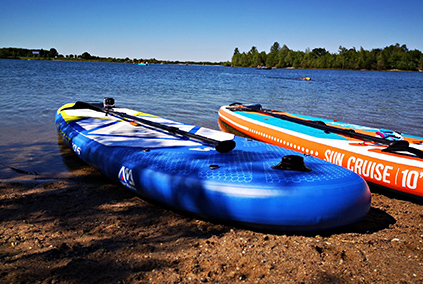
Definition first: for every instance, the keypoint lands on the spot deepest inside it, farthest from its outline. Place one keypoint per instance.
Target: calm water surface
(32, 91)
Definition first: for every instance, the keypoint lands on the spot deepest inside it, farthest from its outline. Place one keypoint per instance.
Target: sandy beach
(86, 229)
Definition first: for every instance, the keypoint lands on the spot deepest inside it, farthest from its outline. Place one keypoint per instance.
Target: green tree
(86, 55)
(271, 59)
(275, 47)
(254, 57)
(342, 51)
(317, 52)
(53, 53)
(282, 56)
(381, 61)
(289, 58)
(236, 58)
(262, 58)
(245, 60)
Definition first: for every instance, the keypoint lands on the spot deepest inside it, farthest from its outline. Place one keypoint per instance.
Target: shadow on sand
(86, 229)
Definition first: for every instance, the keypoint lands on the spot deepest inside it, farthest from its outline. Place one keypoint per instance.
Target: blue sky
(206, 30)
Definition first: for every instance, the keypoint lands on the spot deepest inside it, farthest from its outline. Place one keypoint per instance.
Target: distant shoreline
(158, 62)
(225, 64)
(397, 58)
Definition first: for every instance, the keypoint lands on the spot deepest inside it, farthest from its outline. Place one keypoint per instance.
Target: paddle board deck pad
(239, 186)
(393, 161)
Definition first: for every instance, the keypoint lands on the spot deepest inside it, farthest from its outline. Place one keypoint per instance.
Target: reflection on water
(49, 159)
(32, 91)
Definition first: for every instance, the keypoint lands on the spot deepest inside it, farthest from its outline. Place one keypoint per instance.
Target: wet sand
(82, 228)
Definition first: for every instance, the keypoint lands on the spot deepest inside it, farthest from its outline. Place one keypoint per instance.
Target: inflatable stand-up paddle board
(382, 157)
(211, 173)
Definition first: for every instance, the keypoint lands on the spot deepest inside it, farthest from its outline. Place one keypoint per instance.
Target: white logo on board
(126, 178)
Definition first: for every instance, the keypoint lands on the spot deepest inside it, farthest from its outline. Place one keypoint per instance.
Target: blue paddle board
(248, 185)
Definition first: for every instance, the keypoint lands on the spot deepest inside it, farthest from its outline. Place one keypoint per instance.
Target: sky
(197, 30)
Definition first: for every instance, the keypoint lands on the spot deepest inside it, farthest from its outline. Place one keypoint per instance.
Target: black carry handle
(393, 146)
(220, 146)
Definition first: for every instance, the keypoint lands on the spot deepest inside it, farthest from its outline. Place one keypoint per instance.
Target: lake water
(32, 91)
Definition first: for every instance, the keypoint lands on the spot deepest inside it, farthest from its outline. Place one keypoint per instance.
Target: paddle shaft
(220, 146)
(321, 125)
(392, 145)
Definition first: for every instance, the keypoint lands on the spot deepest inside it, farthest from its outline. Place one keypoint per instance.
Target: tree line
(391, 57)
(53, 54)
(17, 53)
(23, 53)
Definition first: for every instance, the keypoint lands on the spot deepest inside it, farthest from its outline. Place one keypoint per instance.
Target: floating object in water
(305, 79)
